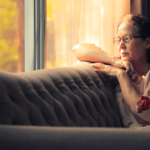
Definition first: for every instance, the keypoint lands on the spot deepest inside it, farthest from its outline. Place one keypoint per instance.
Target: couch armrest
(73, 138)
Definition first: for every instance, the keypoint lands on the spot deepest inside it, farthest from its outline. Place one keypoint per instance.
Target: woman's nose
(121, 45)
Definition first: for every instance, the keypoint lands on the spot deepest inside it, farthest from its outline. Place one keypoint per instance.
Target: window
(12, 35)
(23, 46)
(70, 22)
(63, 20)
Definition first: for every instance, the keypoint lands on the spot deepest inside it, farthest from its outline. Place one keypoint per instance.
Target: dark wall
(135, 6)
(141, 7)
(146, 8)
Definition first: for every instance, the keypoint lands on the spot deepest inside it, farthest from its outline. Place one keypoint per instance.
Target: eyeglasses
(125, 38)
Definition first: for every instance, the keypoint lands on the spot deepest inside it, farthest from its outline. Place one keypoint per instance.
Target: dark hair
(142, 25)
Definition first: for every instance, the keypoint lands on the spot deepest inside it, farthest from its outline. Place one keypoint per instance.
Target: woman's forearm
(92, 53)
(128, 90)
(130, 95)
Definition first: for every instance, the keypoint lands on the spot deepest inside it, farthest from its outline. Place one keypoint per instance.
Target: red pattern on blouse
(143, 103)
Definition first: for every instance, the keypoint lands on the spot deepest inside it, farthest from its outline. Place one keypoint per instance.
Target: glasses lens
(117, 40)
(127, 38)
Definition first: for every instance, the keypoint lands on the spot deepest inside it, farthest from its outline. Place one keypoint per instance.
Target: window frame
(35, 14)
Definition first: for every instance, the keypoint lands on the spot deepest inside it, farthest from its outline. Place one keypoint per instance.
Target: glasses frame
(123, 39)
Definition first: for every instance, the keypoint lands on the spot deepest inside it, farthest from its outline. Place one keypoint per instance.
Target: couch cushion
(69, 96)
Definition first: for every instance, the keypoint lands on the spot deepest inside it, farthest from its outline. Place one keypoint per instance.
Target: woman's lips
(123, 54)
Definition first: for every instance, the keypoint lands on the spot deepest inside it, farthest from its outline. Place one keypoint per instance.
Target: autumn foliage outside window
(12, 35)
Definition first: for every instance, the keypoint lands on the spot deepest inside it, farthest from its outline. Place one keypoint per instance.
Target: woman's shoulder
(148, 74)
(147, 78)
(147, 84)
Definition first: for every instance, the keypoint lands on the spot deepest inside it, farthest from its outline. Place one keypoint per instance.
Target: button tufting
(70, 96)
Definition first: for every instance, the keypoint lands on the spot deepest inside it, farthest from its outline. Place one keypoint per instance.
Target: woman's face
(134, 50)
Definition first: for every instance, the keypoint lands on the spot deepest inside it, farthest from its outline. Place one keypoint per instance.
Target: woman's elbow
(76, 51)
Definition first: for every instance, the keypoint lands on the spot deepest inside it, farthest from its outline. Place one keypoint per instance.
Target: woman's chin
(125, 59)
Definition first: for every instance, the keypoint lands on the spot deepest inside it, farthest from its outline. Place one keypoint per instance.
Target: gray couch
(71, 108)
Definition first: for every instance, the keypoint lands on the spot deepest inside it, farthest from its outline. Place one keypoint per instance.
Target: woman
(133, 41)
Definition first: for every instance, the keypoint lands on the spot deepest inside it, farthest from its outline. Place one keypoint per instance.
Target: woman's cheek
(131, 51)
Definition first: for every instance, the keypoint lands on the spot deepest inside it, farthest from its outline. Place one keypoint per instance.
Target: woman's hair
(142, 25)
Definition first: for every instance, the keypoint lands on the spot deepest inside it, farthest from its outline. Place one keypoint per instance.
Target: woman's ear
(148, 43)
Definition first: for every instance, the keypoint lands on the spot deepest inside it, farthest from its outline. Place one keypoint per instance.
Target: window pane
(62, 30)
(70, 22)
(12, 35)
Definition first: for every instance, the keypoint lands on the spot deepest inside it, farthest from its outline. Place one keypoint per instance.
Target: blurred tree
(10, 34)
(20, 34)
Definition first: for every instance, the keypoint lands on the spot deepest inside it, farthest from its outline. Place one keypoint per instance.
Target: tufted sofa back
(69, 96)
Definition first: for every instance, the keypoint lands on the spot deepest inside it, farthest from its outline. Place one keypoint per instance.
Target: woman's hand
(114, 71)
(106, 69)
(128, 66)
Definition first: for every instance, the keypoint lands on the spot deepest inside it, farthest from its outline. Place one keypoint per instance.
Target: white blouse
(127, 117)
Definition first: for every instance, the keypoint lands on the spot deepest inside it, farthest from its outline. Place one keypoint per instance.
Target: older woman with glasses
(132, 69)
